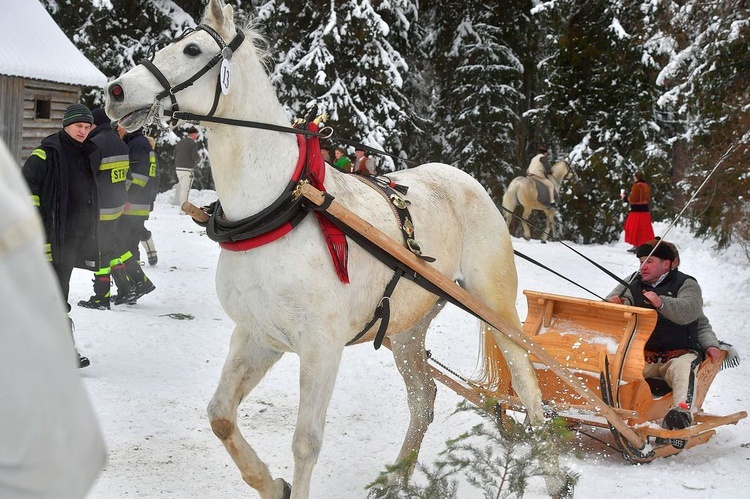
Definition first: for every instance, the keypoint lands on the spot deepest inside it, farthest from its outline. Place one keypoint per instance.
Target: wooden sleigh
(602, 344)
(588, 355)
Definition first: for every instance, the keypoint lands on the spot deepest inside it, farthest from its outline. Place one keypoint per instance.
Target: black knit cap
(664, 250)
(77, 113)
(100, 117)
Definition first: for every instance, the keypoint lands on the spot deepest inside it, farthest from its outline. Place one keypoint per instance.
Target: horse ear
(220, 16)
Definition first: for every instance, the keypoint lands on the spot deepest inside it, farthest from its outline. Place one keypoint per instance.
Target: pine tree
(483, 97)
(703, 49)
(338, 56)
(116, 35)
(600, 108)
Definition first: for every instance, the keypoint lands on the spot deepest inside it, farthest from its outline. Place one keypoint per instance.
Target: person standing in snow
(325, 151)
(638, 225)
(147, 238)
(342, 162)
(186, 158)
(363, 164)
(137, 210)
(52, 446)
(113, 161)
(62, 178)
(678, 345)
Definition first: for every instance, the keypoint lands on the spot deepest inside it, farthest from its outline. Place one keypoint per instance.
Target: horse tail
(494, 371)
(510, 200)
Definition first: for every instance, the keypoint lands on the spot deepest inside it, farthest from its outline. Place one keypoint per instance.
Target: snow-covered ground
(152, 375)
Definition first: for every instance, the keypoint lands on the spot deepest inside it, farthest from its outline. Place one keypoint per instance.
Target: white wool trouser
(185, 178)
(679, 373)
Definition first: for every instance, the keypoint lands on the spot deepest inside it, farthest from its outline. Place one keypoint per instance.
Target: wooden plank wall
(35, 129)
(20, 128)
(11, 113)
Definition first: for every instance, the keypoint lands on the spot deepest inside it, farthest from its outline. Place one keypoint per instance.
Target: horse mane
(259, 42)
(253, 35)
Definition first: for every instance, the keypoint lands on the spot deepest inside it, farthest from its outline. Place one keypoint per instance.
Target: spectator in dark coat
(62, 179)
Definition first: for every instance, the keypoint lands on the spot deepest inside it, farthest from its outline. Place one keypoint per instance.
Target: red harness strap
(311, 163)
(254, 242)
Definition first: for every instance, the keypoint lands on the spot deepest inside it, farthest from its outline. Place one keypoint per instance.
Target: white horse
(523, 191)
(284, 296)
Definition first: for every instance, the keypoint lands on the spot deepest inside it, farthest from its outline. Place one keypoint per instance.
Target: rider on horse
(539, 168)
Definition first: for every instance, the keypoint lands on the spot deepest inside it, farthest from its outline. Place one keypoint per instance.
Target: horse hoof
(287, 492)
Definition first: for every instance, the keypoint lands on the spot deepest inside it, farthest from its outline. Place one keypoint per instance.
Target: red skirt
(638, 228)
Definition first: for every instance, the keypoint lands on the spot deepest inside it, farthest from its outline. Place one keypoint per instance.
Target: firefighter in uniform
(113, 161)
(142, 173)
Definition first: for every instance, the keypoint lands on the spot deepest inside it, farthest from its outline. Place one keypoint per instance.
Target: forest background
(615, 86)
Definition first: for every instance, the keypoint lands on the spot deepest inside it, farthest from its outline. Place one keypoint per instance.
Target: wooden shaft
(194, 212)
(478, 308)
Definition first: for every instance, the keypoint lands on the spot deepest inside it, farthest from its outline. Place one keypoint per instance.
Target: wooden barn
(41, 73)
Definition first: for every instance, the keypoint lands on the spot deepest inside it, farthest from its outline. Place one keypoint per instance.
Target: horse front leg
(246, 364)
(319, 364)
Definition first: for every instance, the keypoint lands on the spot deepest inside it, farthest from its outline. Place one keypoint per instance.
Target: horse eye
(192, 50)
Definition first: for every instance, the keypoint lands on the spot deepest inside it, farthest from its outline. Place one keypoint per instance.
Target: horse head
(189, 79)
(179, 76)
(564, 170)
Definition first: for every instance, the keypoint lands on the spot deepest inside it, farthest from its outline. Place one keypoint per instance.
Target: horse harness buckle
(413, 246)
(397, 201)
(399, 206)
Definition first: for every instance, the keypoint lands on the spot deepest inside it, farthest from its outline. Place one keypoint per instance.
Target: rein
(222, 86)
(324, 133)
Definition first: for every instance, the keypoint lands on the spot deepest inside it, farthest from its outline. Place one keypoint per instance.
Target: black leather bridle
(225, 53)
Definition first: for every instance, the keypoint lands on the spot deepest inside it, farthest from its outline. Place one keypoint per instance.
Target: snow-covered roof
(33, 46)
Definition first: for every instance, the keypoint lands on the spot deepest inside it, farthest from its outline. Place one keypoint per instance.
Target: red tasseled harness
(288, 210)
(310, 165)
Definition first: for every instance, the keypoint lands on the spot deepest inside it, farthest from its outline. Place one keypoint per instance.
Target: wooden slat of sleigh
(561, 323)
